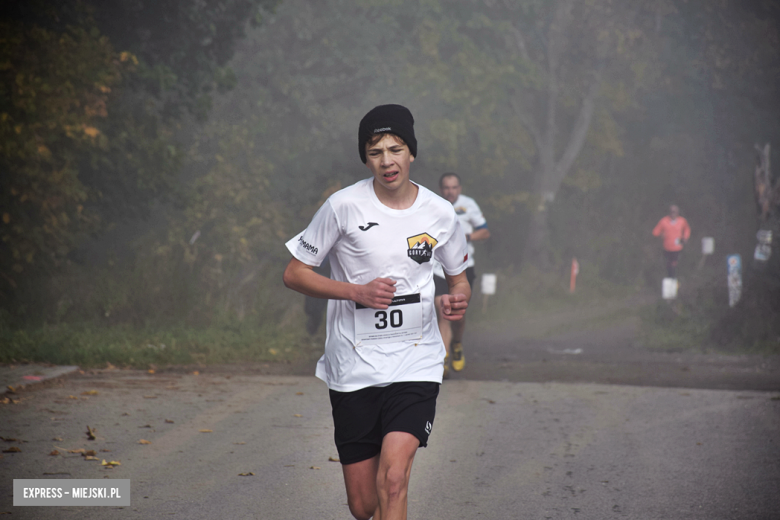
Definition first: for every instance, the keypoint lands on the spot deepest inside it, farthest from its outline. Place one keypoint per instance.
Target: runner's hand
(454, 306)
(376, 294)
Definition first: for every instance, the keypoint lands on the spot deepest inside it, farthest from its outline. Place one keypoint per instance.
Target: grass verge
(91, 346)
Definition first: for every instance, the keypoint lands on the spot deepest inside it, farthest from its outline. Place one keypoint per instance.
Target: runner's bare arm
(455, 303)
(479, 234)
(377, 294)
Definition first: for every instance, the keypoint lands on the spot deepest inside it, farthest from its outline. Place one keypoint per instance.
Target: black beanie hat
(390, 119)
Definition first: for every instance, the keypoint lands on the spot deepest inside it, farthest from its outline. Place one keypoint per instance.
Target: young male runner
(383, 356)
(475, 227)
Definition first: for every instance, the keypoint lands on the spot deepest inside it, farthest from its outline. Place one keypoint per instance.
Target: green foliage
(89, 132)
(54, 92)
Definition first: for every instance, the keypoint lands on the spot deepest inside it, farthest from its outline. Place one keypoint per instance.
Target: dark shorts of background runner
(362, 418)
(443, 288)
(671, 258)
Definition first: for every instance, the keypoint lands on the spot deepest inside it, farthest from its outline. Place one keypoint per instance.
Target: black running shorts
(362, 418)
(443, 288)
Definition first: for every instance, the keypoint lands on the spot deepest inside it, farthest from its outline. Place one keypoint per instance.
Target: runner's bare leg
(395, 468)
(360, 480)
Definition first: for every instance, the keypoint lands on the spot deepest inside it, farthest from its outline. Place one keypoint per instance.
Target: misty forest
(156, 156)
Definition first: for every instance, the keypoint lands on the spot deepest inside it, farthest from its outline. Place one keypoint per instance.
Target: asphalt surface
(498, 449)
(586, 424)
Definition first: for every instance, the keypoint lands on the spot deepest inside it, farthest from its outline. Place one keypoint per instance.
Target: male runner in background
(675, 232)
(475, 227)
(384, 356)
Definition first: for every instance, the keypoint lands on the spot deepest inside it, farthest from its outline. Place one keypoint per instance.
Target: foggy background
(157, 156)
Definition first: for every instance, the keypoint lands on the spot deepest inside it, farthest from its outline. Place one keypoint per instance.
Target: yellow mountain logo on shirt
(421, 247)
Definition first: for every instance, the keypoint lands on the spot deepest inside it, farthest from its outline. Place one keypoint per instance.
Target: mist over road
(603, 344)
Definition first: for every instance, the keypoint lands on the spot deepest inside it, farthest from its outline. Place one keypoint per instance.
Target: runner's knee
(394, 481)
(361, 510)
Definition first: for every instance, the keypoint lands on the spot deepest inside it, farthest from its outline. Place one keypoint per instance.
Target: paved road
(499, 450)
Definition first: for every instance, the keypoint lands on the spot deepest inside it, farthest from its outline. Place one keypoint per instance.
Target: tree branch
(577, 137)
(520, 43)
(528, 124)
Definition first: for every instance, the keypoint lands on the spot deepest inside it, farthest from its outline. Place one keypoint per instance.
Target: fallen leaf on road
(90, 392)
(54, 452)
(112, 463)
(298, 393)
(11, 389)
(144, 441)
(80, 450)
(333, 459)
(206, 431)
(109, 366)
(90, 457)
(73, 397)
(146, 426)
(314, 467)
(150, 371)
(195, 373)
(89, 453)
(13, 449)
(239, 443)
(59, 439)
(297, 415)
(169, 421)
(90, 434)
(105, 451)
(250, 474)
(272, 351)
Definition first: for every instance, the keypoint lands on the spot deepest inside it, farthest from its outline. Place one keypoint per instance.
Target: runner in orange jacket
(675, 232)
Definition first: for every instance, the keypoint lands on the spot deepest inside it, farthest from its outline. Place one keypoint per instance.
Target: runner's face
(450, 189)
(674, 212)
(389, 161)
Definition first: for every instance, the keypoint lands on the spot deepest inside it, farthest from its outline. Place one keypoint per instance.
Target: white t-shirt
(471, 218)
(365, 240)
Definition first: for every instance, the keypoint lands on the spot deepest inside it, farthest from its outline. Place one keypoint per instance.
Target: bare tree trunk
(553, 170)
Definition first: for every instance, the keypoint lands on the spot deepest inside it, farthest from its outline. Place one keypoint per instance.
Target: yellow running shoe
(446, 367)
(458, 359)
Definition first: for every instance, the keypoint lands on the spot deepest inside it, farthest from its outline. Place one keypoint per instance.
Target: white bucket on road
(488, 285)
(669, 289)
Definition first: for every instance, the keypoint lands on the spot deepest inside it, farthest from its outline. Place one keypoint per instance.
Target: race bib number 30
(402, 320)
